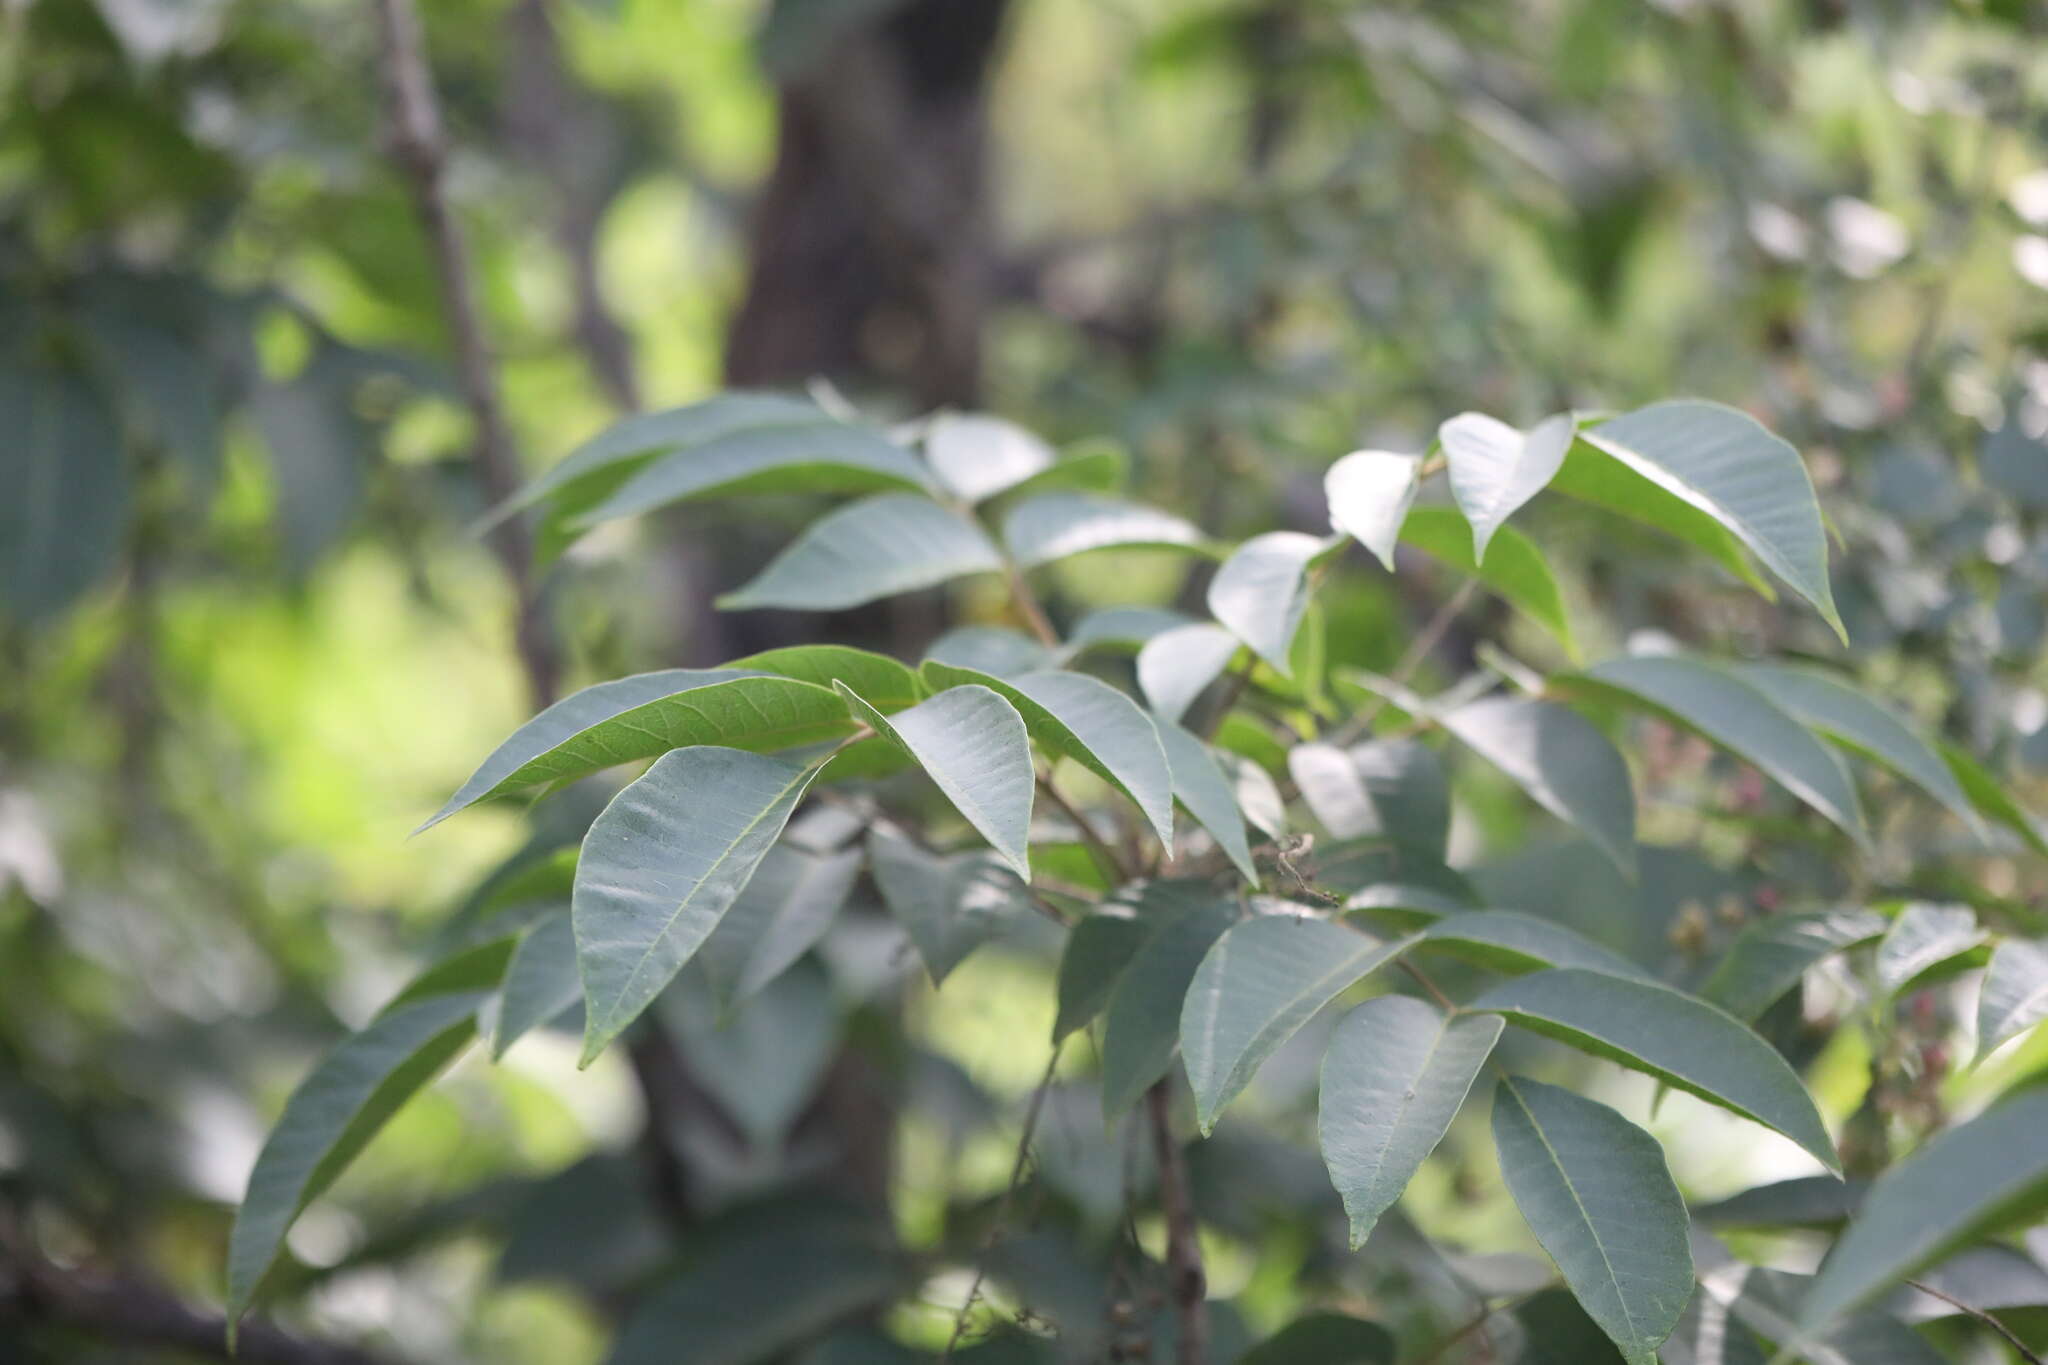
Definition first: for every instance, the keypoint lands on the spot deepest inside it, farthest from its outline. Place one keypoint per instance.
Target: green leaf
(334, 1113)
(1515, 570)
(1807, 1201)
(978, 456)
(786, 907)
(1087, 720)
(1593, 476)
(1968, 1183)
(1494, 468)
(1094, 464)
(1369, 493)
(1923, 939)
(877, 547)
(995, 650)
(950, 905)
(1125, 628)
(1682, 1041)
(1098, 949)
(1989, 796)
(1259, 984)
(1324, 1339)
(974, 746)
(1563, 761)
(1768, 958)
(1175, 666)
(1708, 1334)
(1333, 789)
(661, 866)
(2015, 993)
(1735, 715)
(885, 683)
(1200, 787)
(649, 714)
(1509, 941)
(540, 982)
(1053, 526)
(764, 1063)
(1842, 713)
(1555, 1330)
(1262, 591)
(1395, 1074)
(825, 456)
(1142, 1017)
(1594, 1189)
(1405, 779)
(1725, 464)
(66, 507)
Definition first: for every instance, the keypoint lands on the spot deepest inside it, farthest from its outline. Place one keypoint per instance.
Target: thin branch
(1017, 1169)
(1418, 652)
(133, 1312)
(1105, 857)
(1982, 1316)
(1190, 1284)
(419, 147)
(1478, 1324)
(1028, 605)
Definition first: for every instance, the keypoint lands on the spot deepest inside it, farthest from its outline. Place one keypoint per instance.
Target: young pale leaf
(974, 746)
(1369, 493)
(1126, 628)
(1334, 789)
(1258, 796)
(1405, 779)
(1508, 941)
(1259, 984)
(813, 457)
(649, 714)
(1968, 1183)
(1989, 796)
(1770, 956)
(1175, 665)
(1324, 1339)
(1594, 1189)
(1261, 593)
(1142, 1018)
(1494, 468)
(1053, 526)
(1089, 721)
(1725, 463)
(995, 650)
(2015, 993)
(346, 1099)
(1396, 1071)
(950, 905)
(874, 548)
(1098, 949)
(785, 908)
(1515, 570)
(1200, 787)
(1925, 938)
(661, 866)
(1563, 761)
(1842, 713)
(1706, 698)
(978, 456)
(540, 982)
(1682, 1041)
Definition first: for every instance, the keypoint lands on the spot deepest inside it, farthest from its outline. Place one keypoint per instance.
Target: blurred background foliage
(1236, 239)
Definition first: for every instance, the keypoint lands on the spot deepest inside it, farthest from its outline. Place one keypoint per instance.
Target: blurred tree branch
(419, 148)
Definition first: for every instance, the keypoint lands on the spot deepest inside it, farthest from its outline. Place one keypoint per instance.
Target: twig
(1418, 651)
(1980, 1315)
(1017, 1169)
(419, 147)
(1478, 1324)
(1183, 1244)
(1028, 605)
(1106, 857)
(121, 1309)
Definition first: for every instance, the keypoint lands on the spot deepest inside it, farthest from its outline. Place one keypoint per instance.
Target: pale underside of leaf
(1261, 593)
(1175, 665)
(877, 547)
(1369, 492)
(2014, 997)
(1200, 787)
(1494, 468)
(1561, 760)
